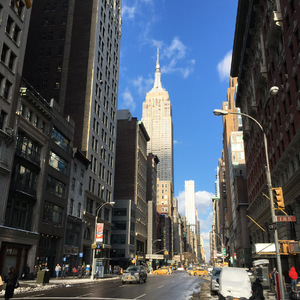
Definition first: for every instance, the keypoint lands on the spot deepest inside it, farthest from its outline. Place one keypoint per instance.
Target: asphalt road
(178, 286)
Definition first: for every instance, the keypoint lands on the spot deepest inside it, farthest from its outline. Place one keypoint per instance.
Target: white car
(234, 283)
(214, 280)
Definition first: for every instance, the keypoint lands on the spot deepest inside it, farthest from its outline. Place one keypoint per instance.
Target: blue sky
(195, 39)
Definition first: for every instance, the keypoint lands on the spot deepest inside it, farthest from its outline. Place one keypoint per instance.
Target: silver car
(214, 281)
(134, 274)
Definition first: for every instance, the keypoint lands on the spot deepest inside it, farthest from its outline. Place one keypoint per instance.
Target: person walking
(294, 276)
(63, 271)
(57, 270)
(257, 290)
(11, 280)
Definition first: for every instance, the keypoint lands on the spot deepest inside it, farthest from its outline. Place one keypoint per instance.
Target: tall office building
(157, 118)
(190, 205)
(73, 56)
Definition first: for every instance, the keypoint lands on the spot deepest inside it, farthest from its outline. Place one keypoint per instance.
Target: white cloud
(203, 203)
(128, 11)
(143, 85)
(174, 54)
(224, 66)
(128, 101)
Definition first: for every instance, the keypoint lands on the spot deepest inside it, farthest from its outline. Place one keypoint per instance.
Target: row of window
(8, 57)
(32, 118)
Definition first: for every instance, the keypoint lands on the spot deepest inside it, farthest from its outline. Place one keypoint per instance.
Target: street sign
(154, 256)
(224, 251)
(285, 219)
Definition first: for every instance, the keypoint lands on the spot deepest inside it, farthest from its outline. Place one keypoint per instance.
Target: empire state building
(157, 118)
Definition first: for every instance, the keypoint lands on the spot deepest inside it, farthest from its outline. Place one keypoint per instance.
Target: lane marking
(84, 295)
(140, 296)
(161, 286)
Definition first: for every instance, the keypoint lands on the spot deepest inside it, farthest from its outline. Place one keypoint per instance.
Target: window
(7, 90)
(118, 238)
(58, 163)
(119, 225)
(3, 115)
(52, 214)
(16, 35)
(18, 213)
(60, 139)
(79, 210)
(73, 184)
(106, 214)
(56, 187)
(80, 189)
(118, 212)
(89, 205)
(117, 253)
(87, 234)
(71, 206)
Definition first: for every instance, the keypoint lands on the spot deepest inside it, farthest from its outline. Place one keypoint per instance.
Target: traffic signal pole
(219, 112)
(273, 217)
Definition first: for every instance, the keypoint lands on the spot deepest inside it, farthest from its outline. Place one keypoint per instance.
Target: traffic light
(98, 252)
(278, 198)
(284, 247)
(294, 247)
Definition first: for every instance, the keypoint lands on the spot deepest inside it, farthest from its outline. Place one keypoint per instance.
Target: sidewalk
(32, 286)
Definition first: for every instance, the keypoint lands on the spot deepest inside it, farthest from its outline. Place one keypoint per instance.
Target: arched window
(87, 234)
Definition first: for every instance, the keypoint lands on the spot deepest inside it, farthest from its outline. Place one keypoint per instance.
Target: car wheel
(195, 274)
(155, 273)
(123, 282)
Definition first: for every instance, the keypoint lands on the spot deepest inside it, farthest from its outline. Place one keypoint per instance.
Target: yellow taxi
(197, 272)
(163, 270)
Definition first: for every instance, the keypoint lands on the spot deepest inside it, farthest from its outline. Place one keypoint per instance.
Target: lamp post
(219, 112)
(223, 246)
(95, 242)
(157, 240)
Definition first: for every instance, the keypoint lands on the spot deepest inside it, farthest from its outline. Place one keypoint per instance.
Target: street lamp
(95, 242)
(223, 246)
(157, 240)
(219, 112)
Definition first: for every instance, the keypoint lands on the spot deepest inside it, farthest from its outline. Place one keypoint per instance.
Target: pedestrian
(57, 270)
(11, 280)
(79, 271)
(74, 271)
(63, 271)
(294, 276)
(110, 271)
(272, 277)
(257, 290)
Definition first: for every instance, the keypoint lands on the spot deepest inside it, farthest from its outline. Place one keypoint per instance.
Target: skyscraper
(157, 118)
(190, 205)
(73, 57)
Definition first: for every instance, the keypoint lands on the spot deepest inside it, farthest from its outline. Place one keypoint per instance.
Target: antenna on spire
(157, 60)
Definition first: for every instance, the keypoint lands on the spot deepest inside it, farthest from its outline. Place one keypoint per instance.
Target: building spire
(157, 79)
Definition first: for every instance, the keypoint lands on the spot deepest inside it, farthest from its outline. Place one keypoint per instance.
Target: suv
(234, 283)
(134, 274)
(214, 281)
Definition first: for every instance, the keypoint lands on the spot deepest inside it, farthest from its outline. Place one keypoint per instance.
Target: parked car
(163, 270)
(197, 272)
(134, 274)
(214, 281)
(234, 283)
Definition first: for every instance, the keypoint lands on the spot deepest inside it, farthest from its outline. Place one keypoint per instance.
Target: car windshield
(217, 272)
(132, 269)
